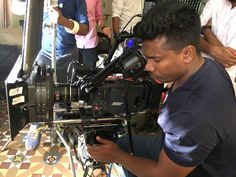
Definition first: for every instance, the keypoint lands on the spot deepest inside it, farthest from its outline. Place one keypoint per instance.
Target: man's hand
(55, 15)
(107, 151)
(224, 55)
(116, 24)
(107, 31)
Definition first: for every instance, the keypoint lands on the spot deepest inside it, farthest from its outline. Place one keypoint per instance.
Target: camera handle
(127, 117)
(130, 134)
(118, 39)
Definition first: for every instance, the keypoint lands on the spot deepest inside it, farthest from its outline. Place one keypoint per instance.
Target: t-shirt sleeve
(117, 7)
(206, 14)
(98, 10)
(188, 138)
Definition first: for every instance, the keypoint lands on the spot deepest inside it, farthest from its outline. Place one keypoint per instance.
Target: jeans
(88, 57)
(143, 146)
(62, 63)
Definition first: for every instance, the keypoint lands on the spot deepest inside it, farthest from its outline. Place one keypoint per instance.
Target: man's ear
(188, 53)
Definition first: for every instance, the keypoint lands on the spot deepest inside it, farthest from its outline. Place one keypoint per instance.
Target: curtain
(5, 14)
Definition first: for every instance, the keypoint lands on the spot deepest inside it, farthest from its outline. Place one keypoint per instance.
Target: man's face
(163, 64)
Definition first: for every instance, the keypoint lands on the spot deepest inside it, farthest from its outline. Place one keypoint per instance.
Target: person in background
(123, 11)
(125, 15)
(87, 44)
(71, 19)
(218, 21)
(197, 118)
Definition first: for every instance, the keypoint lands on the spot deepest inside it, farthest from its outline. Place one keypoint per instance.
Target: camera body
(119, 97)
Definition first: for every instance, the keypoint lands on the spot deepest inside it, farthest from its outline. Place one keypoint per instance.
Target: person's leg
(89, 57)
(143, 146)
(43, 58)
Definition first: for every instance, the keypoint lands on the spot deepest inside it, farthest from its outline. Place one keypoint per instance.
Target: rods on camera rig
(51, 4)
(32, 35)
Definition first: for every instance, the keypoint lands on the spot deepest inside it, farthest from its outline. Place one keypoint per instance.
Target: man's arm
(63, 21)
(162, 167)
(210, 44)
(117, 8)
(100, 19)
(115, 24)
(214, 48)
(211, 37)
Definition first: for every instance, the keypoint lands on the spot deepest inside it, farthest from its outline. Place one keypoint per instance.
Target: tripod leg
(68, 149)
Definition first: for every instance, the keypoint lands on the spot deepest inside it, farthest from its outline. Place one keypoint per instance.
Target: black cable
(128, 116)
(118, 39)
(137, 15)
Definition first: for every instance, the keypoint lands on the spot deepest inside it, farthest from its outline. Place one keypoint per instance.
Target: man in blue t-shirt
(71, 17)
(198, 119)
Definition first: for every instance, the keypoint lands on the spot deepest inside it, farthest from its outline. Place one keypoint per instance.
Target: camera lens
(66, 93)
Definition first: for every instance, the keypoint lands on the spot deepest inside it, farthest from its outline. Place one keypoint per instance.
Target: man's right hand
(224, 55)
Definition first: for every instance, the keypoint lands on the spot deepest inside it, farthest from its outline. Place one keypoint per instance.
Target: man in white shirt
(218, 21)
(123, 11)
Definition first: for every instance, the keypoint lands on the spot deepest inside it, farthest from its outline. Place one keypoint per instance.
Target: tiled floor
(48, 160)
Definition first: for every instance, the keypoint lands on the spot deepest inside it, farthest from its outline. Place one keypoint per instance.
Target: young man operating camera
(198, 118)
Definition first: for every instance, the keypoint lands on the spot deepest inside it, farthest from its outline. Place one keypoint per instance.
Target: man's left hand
(107, 151)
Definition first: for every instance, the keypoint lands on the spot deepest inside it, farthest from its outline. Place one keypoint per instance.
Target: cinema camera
(97, 104)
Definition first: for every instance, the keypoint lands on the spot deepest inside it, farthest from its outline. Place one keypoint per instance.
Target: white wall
(107, 11)
(1, 14)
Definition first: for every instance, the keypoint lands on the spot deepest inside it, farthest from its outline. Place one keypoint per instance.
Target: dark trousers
(88, 57)
(143, 146)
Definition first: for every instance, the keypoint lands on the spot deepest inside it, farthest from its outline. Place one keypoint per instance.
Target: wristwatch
(204, 28)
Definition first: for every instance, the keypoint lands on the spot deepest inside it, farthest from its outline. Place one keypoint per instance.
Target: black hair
(175, 20)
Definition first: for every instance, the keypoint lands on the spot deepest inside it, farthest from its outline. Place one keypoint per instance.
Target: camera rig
(98, 107)
(36, 98)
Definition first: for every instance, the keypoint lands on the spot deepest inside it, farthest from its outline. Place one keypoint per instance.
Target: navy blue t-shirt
(199, 122)
(65, 42)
